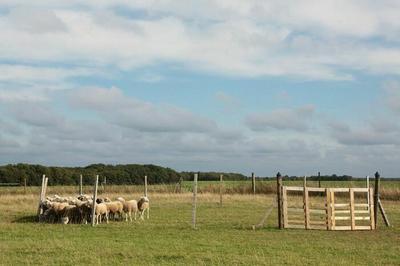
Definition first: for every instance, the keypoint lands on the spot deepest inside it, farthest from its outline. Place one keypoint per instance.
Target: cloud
(136, 114)
(392, 89)
(304, 40)
(228, 102)
(282, 119)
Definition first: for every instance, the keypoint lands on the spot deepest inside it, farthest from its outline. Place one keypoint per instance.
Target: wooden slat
(342, 212)
(316, 189)
(361, 227)
(340, 189)
(298, 210)
(317, 227)
(284, 207)
(289, 222)
(342, 218)
(342, 228)
(360, 189)
(295, 226)
(361, 205)
(342, 205)
(317, 223)
(315, 211)
(362, 218)
(293, 188)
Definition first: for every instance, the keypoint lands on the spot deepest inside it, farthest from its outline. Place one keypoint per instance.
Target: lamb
(143, 205)
(129, 207)
(115, 208)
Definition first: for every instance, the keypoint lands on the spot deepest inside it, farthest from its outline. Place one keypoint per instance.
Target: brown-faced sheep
(143, 206)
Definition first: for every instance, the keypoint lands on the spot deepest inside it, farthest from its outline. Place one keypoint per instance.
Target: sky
(299, 87)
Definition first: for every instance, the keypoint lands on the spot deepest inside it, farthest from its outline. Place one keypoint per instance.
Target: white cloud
(303, 39)
(139, 115)
(282, 119)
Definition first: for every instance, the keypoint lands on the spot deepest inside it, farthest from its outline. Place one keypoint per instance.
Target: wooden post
(41, 196)
(284, 208)
(384, 216)
(333, 219)
(94, 200)
(279, 198)
(194, 205)
(24, 185)
(45, 188)
(80, 185)
(253, 183)
(371, 208)
(145, 185)
(328, 209)
(221, 184)
(352, 215)
(367, 185)
(376, 198)
(306, 205)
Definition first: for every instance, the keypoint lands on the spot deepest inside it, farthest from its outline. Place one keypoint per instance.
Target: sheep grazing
(115, 209)
(143, 206)
(129, 207)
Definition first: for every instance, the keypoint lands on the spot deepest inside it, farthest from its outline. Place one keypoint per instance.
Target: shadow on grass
(26, 219)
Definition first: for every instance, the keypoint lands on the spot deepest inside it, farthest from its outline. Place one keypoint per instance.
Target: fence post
(221, 184)
(194, 206)
(319, 179)
(104, 184)
(376, 198)
(253, 183)
(41, 196)
(306, 204)
(24, 185)
(279, 198)
(145, 185)
(80, 185)
(94, 200)
(45, 188)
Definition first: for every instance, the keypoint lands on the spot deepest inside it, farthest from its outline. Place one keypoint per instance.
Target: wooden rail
(332, 215)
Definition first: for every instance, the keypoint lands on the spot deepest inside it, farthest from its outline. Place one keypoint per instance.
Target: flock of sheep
(78, 210)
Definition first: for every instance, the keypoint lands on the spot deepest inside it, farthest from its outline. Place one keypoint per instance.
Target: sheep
(143, 205)
(129, 207)
(100, 210)
(115, 208)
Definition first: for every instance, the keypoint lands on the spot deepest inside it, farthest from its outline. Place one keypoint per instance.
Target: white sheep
(100, 210)
(129, 207)
(143, 206)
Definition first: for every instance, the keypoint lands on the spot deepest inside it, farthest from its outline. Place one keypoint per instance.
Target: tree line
(128, 174)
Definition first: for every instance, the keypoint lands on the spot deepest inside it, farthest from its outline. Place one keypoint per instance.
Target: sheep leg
(107, 217)
(135, 214)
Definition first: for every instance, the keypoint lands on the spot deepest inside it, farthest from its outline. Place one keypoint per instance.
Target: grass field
(224, 236)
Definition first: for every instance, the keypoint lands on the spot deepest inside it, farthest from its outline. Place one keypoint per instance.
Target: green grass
(223, 236)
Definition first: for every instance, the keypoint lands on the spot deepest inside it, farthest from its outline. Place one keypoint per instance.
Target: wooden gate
(328, 208)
